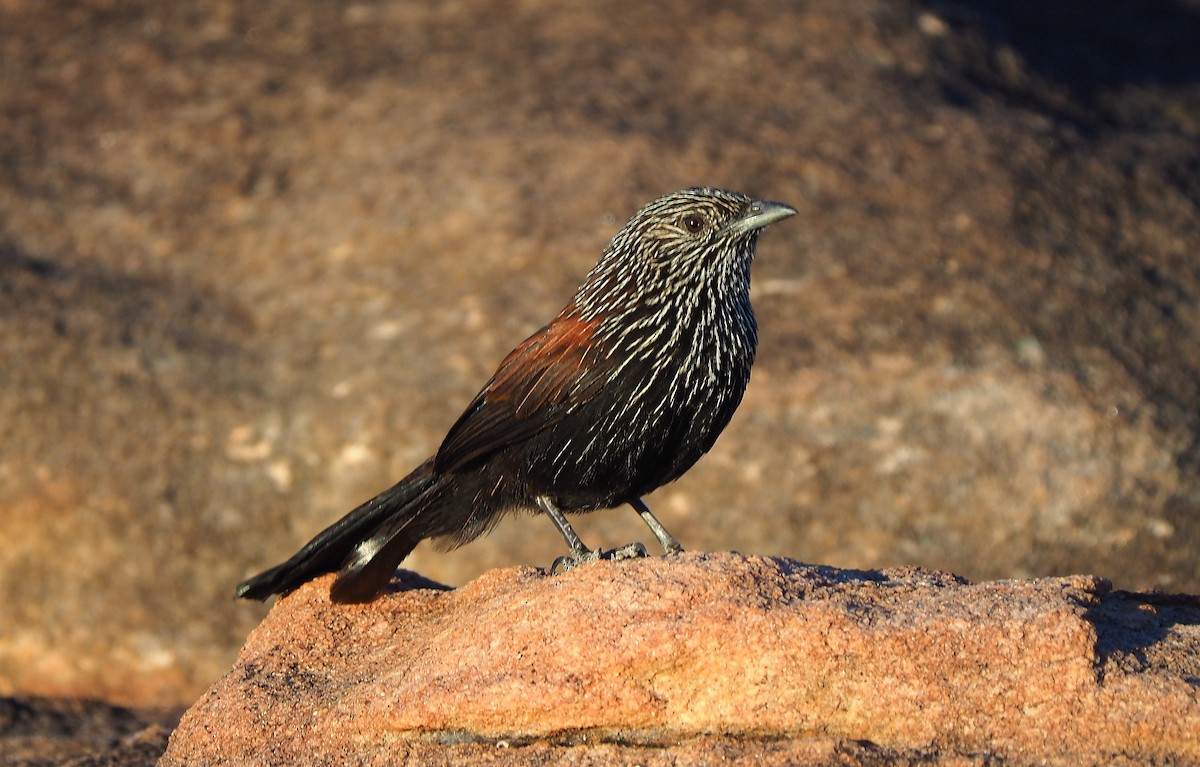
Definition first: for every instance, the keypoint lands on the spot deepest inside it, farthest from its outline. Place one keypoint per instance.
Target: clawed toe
(571, 561)
(628, 551)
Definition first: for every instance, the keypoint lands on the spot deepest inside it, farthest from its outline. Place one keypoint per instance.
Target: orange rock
(700, 657)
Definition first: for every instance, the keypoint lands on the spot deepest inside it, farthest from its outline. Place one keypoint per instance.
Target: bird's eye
(693, 223)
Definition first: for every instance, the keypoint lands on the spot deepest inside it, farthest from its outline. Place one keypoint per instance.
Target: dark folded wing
(534, 388)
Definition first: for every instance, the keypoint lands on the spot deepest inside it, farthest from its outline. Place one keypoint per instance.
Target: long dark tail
(365, 546)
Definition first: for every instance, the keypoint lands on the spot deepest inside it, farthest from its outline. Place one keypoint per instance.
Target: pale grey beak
(759, 214)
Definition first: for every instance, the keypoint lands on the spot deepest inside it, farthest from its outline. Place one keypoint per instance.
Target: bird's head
(697, 223)
(692, 237)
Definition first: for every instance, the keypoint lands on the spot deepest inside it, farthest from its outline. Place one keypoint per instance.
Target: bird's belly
(594, 462)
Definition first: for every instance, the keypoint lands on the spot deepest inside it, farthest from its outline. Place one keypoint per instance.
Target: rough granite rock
(704, 657)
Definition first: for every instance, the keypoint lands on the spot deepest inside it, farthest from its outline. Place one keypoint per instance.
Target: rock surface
(682, 659)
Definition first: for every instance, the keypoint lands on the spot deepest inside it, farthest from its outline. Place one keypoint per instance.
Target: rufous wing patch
(533, 388)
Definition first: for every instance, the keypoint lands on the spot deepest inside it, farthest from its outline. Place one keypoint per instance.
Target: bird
(619, 394)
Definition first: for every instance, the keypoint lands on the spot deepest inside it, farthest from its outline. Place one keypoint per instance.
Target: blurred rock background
(256, 257)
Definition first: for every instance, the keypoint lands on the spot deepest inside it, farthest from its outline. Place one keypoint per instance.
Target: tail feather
(368, 569)
(353, 542)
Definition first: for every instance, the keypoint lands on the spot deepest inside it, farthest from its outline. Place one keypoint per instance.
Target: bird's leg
(669, 544)
(580, 553)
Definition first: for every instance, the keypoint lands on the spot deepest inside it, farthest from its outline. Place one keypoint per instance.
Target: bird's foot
(573, 560)
(633, 550)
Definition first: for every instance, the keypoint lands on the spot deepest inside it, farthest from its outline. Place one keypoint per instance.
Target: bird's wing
(532, 390)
